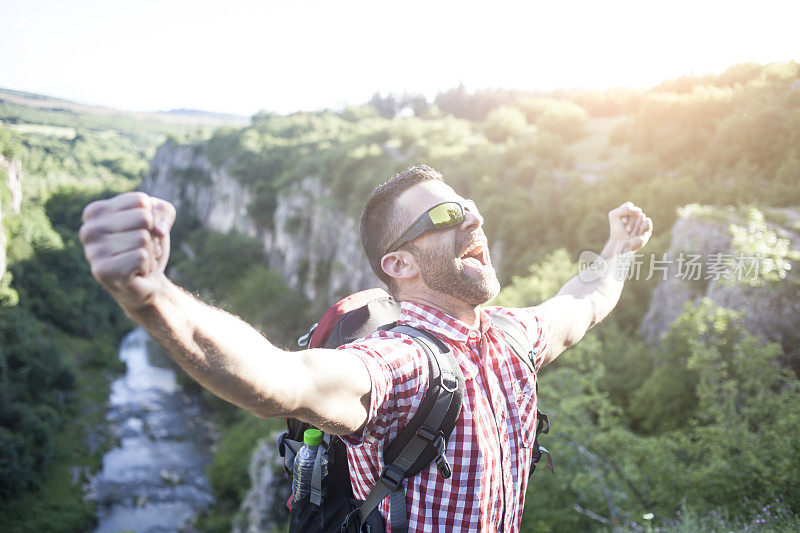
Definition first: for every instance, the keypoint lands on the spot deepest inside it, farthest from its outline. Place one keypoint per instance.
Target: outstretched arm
(590, 296)
(126, 241)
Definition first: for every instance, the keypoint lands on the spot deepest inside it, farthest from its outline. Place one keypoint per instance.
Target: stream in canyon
(154, 480)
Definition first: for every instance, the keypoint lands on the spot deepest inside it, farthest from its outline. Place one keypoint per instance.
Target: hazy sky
(241, 56)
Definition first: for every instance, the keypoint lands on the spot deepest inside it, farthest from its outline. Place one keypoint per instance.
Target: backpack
(423, 440)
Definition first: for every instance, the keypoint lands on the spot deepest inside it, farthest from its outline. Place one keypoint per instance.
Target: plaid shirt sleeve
(398, 373)
(536, 325)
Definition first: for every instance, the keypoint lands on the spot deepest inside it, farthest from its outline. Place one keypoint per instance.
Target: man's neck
(459, 310)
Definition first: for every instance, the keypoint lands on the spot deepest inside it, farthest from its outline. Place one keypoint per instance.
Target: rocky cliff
(264, 505)
(11, 174)
(315, 248)
(741, 259)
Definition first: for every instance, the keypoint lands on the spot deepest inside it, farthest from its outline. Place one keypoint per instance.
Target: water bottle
(304, 464)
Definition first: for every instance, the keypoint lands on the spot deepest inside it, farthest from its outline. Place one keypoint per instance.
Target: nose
(472, 219)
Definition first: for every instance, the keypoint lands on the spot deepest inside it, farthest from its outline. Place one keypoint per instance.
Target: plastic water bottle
(304, 464)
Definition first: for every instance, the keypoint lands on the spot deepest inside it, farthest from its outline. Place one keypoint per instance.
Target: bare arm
(590, 296)
(126, 241)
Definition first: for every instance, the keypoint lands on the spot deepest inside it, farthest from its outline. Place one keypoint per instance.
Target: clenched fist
(126, 241)
(629, 227)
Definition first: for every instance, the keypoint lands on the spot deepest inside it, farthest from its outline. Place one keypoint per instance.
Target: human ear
(399, 265)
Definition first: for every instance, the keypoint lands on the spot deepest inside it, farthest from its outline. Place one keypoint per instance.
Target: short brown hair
(379, 225)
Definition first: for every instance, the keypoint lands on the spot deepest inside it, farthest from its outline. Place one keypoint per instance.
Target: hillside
(187, 117)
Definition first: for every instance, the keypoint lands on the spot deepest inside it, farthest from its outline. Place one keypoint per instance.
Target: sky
(242, 56)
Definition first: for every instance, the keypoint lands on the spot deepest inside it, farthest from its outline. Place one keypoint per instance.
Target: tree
(503, 123)
(559, 117)
(736, 441)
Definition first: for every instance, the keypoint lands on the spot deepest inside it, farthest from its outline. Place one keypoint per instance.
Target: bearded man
(427, 244)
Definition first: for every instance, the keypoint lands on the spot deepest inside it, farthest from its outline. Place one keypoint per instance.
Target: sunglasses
(441, 216)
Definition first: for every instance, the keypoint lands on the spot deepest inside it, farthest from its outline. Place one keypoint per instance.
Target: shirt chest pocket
(525, 403)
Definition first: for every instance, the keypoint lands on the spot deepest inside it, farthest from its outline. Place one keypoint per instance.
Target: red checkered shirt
(490, 449)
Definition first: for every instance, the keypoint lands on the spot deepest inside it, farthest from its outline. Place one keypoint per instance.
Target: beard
(449, 276)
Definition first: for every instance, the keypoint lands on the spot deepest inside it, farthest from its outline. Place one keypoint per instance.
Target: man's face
(453, 261)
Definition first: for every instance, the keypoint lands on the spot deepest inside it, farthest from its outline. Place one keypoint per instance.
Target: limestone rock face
(263, 508)
(11, 172)
(316, 249)
(689, 237)
(771, 310)
(182, 175)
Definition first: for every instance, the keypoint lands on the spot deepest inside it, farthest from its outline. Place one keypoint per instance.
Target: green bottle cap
(312, 437)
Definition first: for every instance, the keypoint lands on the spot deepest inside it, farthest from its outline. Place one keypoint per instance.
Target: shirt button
(474, 334)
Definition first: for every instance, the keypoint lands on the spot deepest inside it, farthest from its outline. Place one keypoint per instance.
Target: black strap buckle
(392, 477)
(441, 447)
(538, 452)
(448, 381)
(542, 424)
(443, 466)
(305, 339)
(281, 445)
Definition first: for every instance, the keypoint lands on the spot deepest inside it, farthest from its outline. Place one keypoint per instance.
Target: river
(154, 481)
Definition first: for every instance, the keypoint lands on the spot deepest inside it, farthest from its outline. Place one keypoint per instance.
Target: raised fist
(629, 226)
(126, 241)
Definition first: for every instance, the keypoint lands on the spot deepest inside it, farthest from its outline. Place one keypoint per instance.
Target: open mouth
(476, 254)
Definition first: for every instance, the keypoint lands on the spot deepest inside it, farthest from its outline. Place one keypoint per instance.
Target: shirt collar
(444, 325)
(426, 317)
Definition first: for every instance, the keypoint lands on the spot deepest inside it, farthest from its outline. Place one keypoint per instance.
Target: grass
(771, 517)
(53, 131)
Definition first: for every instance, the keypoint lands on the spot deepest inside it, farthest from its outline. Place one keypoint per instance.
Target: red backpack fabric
(322, 330)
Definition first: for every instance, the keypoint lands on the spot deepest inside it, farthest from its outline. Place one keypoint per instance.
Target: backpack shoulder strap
(520, 343)
(517, 339)
(440, 407)
(423, 439)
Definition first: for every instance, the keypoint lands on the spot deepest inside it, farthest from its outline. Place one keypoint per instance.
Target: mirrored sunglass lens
(446, 215)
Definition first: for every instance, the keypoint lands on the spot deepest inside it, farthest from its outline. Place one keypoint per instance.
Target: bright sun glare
(285, 56)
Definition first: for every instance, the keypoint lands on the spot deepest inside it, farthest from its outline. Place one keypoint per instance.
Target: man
(427, 244)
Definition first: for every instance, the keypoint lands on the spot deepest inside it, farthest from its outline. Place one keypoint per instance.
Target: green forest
(698, 430)
(59, 330)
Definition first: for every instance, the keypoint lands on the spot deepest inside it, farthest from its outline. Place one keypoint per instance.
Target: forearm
(600, 290)
(218, 350)
(590, 296)
(126, 240)
(585, 300)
